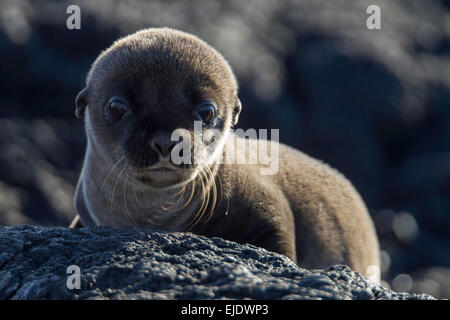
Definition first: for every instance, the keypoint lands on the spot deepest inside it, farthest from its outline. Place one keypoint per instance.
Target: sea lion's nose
(162, 145)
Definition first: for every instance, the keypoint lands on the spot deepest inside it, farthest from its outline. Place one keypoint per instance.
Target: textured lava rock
(134, 264)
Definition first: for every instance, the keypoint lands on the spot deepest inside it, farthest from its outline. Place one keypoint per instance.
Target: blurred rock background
(374, 104)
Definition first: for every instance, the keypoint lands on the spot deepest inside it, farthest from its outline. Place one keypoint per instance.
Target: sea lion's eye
(116, 109)
(206, 112)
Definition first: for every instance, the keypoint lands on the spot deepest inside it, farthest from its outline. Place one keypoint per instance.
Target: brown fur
(308, 211)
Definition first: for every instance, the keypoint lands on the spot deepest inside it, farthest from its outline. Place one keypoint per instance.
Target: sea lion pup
(150, 84)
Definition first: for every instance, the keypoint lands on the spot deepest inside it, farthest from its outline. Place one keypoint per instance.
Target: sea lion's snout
(150, 160)
(162, 145)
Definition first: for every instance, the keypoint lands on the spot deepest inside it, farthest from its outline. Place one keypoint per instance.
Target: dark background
(375, 104)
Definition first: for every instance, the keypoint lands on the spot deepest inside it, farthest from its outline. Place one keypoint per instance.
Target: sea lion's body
(306, 211)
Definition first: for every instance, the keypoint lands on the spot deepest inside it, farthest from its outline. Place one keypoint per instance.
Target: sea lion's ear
(236, 111)
(81, 103)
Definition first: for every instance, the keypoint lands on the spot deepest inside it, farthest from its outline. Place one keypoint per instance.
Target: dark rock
(117, 264)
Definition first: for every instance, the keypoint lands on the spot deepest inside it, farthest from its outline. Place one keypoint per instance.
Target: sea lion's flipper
(76, 222)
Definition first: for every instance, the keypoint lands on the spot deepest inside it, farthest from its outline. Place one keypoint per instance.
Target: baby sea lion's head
(150, 85)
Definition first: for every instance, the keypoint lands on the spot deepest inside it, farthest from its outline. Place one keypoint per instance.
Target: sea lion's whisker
(214, 192)
(114, 188)
(205, 200)
(128, 216)
(111, 169)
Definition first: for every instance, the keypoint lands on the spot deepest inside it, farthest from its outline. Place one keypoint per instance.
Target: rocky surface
(138, 265)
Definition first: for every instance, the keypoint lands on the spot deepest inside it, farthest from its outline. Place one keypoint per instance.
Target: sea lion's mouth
(162, 169)
(154, 171)
(161, 176)
(158, 173)
(161, 166)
